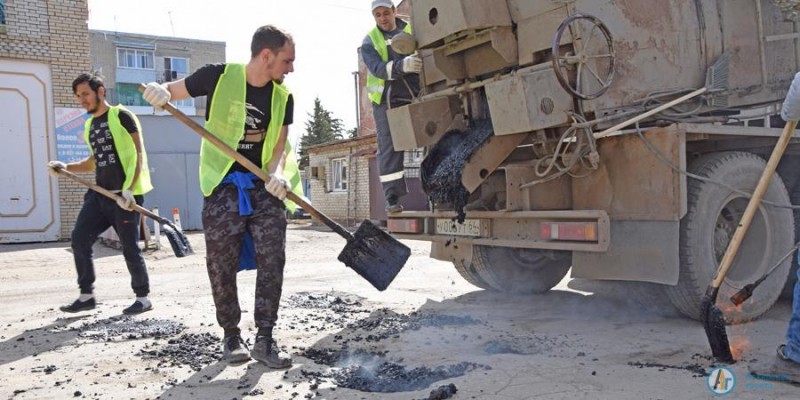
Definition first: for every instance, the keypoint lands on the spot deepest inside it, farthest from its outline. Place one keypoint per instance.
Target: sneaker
(234, 350)
(781, 350)
(779, 369)
(266, 351)
(137, 308)
(78, 306)
(394, 208)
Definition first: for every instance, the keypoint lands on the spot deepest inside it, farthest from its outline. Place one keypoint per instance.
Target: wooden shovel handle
(752, 206)
(260, 173)
(107, 193)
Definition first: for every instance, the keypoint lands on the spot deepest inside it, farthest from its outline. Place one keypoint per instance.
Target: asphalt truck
(616, 139)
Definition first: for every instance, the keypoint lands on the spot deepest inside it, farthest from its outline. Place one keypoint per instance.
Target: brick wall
(346, 207)
(53, 32)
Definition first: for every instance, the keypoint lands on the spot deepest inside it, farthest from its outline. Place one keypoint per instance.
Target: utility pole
(358, 103)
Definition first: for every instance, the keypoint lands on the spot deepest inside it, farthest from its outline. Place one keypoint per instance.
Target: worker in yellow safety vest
(118, 158)
(250, 110)
(392, 81)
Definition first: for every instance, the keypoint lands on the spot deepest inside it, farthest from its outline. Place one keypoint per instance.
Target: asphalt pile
(441, 170)
(121, 328)
(370, 370)
(192, 350)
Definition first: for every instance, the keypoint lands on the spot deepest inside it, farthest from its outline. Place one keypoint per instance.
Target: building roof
(151, 37)
(363, 140)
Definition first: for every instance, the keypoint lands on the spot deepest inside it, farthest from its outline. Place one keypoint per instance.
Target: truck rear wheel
(713, 213)
(513, 270)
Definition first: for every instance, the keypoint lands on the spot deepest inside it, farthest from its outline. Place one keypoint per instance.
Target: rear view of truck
(526, 179)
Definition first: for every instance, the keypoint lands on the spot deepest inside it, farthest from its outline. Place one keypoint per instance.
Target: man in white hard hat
(392, 81)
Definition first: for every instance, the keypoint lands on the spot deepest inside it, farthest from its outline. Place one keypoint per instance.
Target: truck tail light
(576, 231)
(404, 225)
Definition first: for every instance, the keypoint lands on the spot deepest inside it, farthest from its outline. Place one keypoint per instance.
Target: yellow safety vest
(226, 120)
(126, 150)
(376, 85)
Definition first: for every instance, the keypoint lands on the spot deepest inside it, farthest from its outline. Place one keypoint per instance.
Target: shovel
(179, 243)
(371, 252)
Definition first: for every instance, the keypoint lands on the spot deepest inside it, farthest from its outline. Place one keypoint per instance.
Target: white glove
(54, 166)
(156, 94)
(126, 201)
(277, 186)
(411, 65)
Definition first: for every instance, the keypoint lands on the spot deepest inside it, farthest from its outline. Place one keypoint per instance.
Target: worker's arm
(177, 90)
(159, 94)
(82, 166)
(278, 159)
(137, 144)
(375, 65)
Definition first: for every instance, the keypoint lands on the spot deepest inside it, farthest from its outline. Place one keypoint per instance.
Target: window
(2, 12)
(175, 68)
(139, 59)
(339, 168)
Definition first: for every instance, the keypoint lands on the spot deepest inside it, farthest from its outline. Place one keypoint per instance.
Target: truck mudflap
(585, 230)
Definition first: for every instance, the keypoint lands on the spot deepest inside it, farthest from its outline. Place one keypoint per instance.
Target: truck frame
(656, 201)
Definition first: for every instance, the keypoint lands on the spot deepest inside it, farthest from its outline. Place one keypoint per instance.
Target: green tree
(321, 127)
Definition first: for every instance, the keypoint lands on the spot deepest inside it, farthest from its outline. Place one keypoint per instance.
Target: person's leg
(126, 223)
(267, 226)
(224, 228)
(90, 224)
(792, 349)
(390, 162)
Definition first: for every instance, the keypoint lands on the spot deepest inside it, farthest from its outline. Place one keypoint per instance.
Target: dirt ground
(582, 340)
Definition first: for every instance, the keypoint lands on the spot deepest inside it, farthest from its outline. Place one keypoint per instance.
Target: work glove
(277, 186)
(125, 200)
(156, 94)
(411, 65)
(55, 165)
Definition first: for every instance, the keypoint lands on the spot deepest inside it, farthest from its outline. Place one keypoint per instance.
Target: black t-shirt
(259, 110)
(108, 167)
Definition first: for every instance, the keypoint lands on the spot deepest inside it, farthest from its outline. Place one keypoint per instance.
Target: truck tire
(519, 271)
(468, 272)
(713, 213)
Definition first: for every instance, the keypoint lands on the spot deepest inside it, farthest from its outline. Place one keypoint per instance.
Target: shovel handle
(260, 173)
(108, 193)
(752, 206)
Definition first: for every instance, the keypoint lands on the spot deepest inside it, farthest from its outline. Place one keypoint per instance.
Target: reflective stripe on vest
(126, 150)
(226, 120)
(374, 84)
(392, 177)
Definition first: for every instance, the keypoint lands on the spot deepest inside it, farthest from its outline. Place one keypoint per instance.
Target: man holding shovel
(250, 110)
(118, 158)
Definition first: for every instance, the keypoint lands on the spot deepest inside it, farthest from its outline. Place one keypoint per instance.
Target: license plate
(470, 227)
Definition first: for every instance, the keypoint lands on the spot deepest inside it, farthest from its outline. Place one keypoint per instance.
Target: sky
(327, 34)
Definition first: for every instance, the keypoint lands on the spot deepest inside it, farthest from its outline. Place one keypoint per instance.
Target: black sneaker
(234, 350)
(137, 308)
(78, 306)
(266, 351)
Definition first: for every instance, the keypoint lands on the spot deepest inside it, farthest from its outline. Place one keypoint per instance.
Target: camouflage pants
(224, 228)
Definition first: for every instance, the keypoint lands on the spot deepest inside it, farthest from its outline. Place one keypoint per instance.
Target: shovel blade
(714, 325)
(178, 242)
(375, 255)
